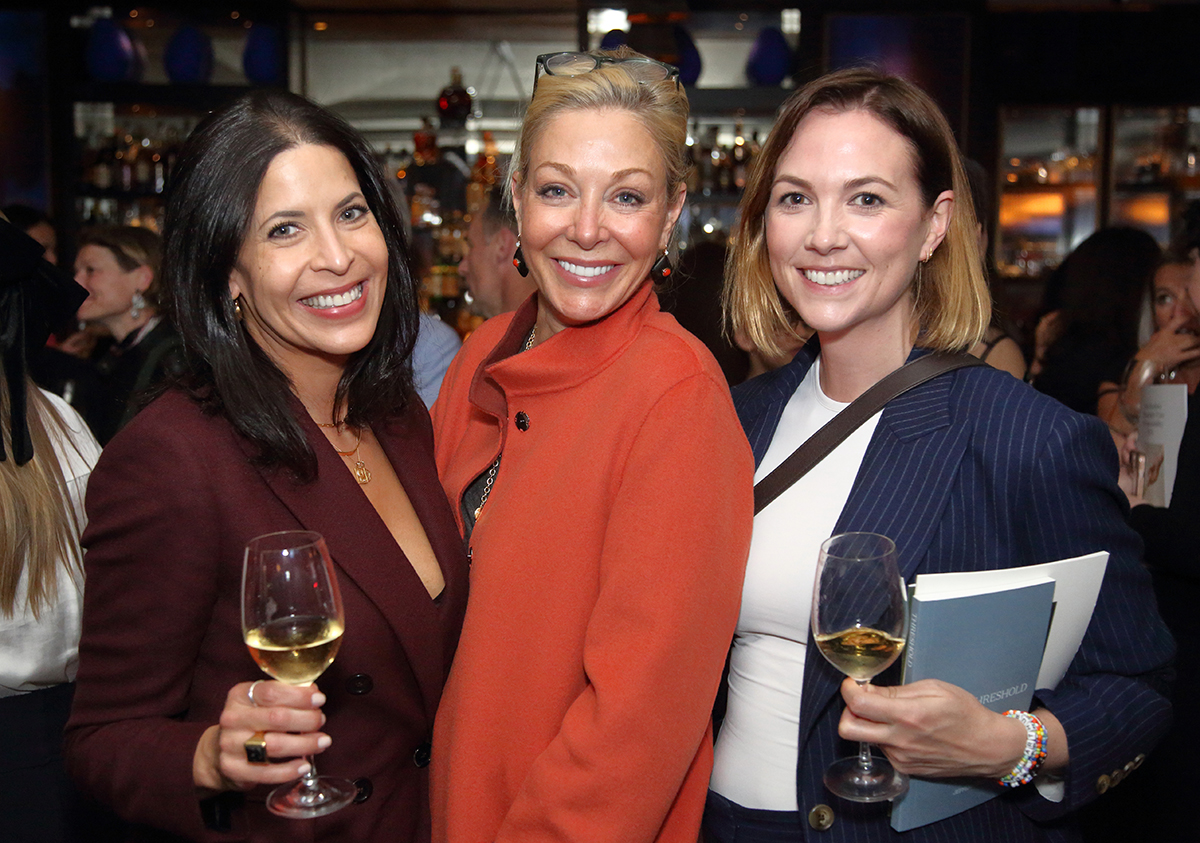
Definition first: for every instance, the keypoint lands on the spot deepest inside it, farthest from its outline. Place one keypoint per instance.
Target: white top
(39, 653)
(757, 748)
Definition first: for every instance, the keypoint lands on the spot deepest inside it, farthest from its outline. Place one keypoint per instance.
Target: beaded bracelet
(1035, 750)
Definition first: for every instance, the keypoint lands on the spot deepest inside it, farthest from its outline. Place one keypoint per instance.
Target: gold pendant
(361, 473)
(478, 510)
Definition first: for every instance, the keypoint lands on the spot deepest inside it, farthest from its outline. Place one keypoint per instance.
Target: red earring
(662, 268)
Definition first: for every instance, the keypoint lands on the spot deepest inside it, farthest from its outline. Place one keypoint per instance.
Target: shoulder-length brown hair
(951, 298)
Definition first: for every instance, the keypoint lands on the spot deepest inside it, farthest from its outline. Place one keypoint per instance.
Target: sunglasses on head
(576, 64)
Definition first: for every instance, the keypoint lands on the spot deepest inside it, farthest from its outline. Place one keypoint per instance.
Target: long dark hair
(212, 199)
(1100, 286)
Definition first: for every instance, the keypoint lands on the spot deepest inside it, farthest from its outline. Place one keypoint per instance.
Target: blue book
(990, 644)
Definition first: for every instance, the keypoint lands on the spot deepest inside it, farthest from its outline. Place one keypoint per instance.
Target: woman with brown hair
(853, 217)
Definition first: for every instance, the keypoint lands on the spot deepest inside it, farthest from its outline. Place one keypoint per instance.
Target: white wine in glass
(292, 623)
(858, 623)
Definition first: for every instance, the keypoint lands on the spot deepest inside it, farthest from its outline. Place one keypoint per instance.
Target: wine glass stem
(864, 756)
(309, 780)
(864, 748)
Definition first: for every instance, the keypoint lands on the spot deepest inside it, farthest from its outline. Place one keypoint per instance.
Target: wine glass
(292, 622)
(858, 621)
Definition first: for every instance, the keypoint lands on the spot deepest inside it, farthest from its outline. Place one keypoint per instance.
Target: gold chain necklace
(361, 473)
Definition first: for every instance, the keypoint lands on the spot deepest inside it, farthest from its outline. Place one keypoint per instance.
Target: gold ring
(256, 748)
(250, 692)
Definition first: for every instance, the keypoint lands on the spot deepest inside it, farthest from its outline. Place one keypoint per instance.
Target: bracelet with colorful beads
(1035, 750)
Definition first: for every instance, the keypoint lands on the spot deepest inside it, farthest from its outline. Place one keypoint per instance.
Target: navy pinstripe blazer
(975, 470)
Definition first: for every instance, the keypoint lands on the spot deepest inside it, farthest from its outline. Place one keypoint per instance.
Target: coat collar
(364, 550)
(570, 357)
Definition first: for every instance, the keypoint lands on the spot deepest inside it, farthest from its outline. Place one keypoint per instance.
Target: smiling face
(313, 266)
(594, 214)
(110, 288)
(846, 225)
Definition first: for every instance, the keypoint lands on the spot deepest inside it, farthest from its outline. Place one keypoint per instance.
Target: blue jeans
(728, 822)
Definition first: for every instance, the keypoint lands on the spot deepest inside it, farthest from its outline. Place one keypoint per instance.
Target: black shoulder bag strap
(834, 432)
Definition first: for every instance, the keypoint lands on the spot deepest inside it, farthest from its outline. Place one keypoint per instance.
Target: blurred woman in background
(1094, 299)
(119, 267)
(46, 455)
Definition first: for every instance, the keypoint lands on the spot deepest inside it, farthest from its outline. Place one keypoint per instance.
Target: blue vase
(689, 57)
(614, 38)
(770, 58)
(110, 52)
(189, 56)
(263, 57)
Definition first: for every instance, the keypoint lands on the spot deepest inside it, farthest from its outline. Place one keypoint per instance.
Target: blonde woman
(591, 453)
(46, 456)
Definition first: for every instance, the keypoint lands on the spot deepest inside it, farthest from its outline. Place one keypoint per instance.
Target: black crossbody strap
(835, 431)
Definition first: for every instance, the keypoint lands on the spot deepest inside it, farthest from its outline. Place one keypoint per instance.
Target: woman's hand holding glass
(858, 622)
(292, 623)
(290, 716)
(932, 729)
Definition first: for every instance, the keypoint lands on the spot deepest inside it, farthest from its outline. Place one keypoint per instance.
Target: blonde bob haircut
(660, 106)
(951, 299)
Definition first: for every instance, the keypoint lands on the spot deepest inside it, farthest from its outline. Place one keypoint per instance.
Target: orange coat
(605, 585)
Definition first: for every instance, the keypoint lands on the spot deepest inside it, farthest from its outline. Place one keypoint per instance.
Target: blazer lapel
(900, 491)
(364, 551)
(760, 401)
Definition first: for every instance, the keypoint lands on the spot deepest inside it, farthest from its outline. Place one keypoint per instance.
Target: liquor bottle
(740, 157)
(709, 155)
(485, 173)
(454, 102)
(693, 144)
(425, 148)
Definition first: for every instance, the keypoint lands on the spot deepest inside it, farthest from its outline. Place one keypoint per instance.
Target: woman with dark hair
(1094, 299)
(287, 276)
(854, 218)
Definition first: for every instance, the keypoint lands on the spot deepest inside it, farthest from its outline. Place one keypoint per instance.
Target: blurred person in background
(37, 225)
(437, 343)
(1093, 303)
(119, 267)
(1170, 355)
(46, 455)
(493, 281)
(1151, 809)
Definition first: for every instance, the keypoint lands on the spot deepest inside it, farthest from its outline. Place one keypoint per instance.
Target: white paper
(1163, 415)
(1076, 587)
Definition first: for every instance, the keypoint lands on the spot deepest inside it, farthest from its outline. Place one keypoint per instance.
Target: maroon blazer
(171, 505)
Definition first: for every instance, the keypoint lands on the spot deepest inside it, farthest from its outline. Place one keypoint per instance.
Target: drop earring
(662, 268)
(237, 308)
(519, 261)
(136, 304)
